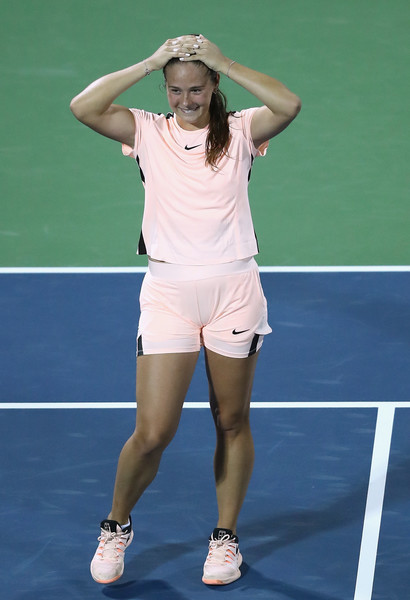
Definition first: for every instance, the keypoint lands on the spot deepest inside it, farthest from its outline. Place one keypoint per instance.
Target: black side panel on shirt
(141, 171)
(256, 238)
(141, 245)
(250, 170)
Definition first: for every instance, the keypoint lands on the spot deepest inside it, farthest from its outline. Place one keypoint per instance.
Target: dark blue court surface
(340, 340)
(336, 337)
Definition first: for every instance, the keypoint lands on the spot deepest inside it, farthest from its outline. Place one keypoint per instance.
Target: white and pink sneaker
(224, 559)
(108, 562)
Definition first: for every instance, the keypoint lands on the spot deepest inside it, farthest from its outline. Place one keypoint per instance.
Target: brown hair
(219, 137)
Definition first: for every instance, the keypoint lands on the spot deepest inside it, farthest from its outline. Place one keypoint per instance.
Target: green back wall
(333, 189)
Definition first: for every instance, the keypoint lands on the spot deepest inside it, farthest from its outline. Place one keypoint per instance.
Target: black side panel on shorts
(254, 344)
(140, 350)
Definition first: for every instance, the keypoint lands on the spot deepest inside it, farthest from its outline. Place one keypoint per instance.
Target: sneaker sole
(106, 581)
(219, 581)
(231, 579)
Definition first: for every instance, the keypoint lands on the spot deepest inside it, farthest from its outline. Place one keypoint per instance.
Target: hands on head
(188, 48)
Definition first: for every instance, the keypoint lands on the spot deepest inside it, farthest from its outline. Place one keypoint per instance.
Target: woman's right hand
(182, 47)
(163, 55)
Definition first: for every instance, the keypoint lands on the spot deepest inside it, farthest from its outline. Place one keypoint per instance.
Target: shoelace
(111, 544)
(223, 550)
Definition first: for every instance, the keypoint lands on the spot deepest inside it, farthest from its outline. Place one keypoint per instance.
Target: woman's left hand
(198, 47)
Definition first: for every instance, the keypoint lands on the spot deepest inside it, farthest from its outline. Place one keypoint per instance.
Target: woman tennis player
(202, 287)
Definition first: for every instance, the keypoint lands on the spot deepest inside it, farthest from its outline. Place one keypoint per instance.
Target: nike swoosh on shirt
(238, 332)
(192, 147)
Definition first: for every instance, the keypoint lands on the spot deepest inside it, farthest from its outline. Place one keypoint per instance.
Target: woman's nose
(185, 99)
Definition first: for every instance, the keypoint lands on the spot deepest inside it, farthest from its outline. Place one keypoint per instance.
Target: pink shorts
(221, 307)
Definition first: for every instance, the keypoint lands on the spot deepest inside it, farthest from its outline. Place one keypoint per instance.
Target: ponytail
(219, 137)
(217, 141)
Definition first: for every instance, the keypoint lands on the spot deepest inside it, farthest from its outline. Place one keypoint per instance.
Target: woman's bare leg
(162, 384)
(230, 385)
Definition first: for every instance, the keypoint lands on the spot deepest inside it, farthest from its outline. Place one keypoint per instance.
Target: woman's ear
(217, 80)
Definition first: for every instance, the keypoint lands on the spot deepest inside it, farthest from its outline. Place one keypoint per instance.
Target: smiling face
(189, 91)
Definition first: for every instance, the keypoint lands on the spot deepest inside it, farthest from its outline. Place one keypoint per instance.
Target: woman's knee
(231, 423)
(151, 440)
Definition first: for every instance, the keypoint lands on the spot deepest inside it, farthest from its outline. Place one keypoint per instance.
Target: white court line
(374, 504)
(338, 269)
(262, 269)
(118, 405)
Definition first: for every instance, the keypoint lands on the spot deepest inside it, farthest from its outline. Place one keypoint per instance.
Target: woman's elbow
(77, 109)
(295, 107)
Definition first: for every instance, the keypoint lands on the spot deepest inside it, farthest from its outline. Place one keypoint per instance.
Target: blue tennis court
(327, 513)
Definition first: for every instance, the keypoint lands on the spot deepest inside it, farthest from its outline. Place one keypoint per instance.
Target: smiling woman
(189, 92)
(194, 95)
(202, 287)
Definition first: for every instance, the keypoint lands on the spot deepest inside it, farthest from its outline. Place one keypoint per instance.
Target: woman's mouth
(188, 111)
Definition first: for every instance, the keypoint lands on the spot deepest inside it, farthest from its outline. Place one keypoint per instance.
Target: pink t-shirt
(194, 214)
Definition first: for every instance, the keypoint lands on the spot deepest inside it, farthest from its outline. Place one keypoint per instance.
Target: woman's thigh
(162, 384)
(230, 384)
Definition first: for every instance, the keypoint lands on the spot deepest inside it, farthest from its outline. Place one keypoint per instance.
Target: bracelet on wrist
(229, 68)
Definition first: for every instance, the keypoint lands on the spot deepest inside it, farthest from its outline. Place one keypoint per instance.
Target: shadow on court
(293, 527)
(288, 528)
(158, 589)
(155, 589)
(172, 571)
(257, 580)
